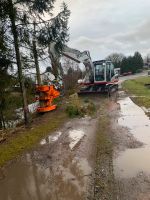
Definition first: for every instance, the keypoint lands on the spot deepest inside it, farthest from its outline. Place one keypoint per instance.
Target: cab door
(99, 73)
(108, 72)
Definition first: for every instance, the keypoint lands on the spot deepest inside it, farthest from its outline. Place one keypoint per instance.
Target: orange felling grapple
(46, 96)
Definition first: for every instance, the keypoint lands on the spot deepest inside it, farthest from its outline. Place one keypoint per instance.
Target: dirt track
(60, 168)
(69, 165)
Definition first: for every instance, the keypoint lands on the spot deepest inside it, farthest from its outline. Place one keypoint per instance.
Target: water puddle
(33, 181)
(75, 136)
(30, 182)
(51, 138)
(54, 171)
(133, 161)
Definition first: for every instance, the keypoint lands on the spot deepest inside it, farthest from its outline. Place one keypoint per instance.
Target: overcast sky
(107, 26)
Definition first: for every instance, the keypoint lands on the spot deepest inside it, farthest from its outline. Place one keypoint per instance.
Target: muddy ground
(62, 167)
(104, 156)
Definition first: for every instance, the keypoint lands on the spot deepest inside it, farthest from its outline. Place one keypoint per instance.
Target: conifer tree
(5, 64)
(10, 14)
(55, 36)
(138, 61)
(28, 33)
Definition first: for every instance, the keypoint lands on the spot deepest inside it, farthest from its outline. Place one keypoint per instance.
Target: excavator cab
(105, 79)
(103, 71)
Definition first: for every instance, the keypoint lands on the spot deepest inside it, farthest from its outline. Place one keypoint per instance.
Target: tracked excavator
(100, 75)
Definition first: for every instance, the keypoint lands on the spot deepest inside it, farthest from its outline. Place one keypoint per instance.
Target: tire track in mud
(104, 184)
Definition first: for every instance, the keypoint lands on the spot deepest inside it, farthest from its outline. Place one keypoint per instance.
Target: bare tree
(116, 58)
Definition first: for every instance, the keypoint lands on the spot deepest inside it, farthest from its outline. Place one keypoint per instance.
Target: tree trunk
(1, 125)
(2, 121)
(54, 63)
(2, 102)
(54, 68)
(36, 57)
(36, 62)
(19, 64)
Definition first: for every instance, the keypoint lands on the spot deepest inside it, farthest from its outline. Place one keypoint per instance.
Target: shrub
(72, 110)
(91, 108)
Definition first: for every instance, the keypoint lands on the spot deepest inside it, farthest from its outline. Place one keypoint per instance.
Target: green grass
(29, 138)
(137, 87)
(104, 144)
(104, 179)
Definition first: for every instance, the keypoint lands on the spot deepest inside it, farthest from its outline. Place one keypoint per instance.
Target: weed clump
(86, 100)
(77, 107)
(72, 111)
(91, 108)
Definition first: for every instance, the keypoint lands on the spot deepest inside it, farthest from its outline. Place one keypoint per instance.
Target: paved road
(123, 78)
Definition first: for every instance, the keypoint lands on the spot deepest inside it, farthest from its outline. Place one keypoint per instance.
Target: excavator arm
(81, 57)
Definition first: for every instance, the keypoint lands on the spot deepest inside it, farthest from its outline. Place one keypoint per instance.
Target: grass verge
(104, 177)
(137, 87)
(30, 137)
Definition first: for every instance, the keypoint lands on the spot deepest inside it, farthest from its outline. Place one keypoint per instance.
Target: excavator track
(99, 88)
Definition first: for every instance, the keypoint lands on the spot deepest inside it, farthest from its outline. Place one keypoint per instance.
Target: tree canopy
(132, 63)
(25, 35)
(116, 58)
(127, 64)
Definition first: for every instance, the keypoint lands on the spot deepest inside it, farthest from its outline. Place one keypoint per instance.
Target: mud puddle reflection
(34, 182)
(51, 138)
(134, 161)
(59, 169)
(75, 136)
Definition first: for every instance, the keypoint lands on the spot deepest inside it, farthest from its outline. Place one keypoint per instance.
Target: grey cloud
(106, 26)
(141, 33)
